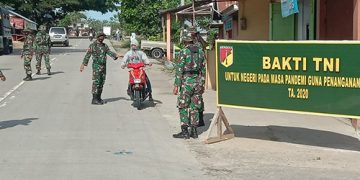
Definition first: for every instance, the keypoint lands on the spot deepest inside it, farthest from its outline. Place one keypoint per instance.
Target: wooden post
(217, 120)
(168, 36)
(356, 124)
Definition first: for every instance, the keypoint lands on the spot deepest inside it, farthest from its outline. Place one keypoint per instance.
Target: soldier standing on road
(27, 53)
(189, 86)
(42, 48)
(2, 77)
(98, 50)
(199, 42)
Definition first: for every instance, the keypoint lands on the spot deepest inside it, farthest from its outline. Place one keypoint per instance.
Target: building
(19, 23)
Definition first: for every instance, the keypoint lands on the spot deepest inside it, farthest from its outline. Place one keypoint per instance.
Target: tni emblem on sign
(226, 56)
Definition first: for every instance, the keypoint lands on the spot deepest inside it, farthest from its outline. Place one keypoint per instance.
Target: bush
(125, 44)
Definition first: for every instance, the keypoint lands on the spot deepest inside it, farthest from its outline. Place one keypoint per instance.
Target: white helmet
(134, 42)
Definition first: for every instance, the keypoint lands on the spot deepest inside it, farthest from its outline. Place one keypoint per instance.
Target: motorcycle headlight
(137, 80)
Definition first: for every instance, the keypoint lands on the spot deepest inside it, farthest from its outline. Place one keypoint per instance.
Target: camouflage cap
(100, 34)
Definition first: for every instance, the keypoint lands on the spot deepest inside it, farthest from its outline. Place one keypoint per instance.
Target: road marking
(11, 91)
(16, 87)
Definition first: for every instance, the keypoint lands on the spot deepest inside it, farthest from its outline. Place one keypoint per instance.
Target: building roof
(180, 8)
(22, 17)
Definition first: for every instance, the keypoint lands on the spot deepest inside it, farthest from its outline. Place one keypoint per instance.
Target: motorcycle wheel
(137, 100)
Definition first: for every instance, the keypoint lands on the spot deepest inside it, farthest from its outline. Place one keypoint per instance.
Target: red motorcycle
(137, 81)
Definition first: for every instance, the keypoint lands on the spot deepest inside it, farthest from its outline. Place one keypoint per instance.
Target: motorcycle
(91, 36)
(137, 82)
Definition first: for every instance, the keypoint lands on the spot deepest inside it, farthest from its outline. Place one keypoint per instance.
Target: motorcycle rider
(134, 55)
(91, 34)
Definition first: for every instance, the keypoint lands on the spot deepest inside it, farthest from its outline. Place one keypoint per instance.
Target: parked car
(156, 49)
(59, 35)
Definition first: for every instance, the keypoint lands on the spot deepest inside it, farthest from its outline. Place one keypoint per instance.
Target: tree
(71, 18)
(142, 16)
(50, 11)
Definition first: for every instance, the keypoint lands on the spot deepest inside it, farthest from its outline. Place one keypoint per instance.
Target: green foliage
(99, 24)
(51, 11)
(155, 38)
(175, 31)
(71, 18)
(142, 16)
(203, 22)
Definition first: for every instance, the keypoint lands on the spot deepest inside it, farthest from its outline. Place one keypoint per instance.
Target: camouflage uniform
(99, 52)
(190, 79)
(42, 48)
(27, 53)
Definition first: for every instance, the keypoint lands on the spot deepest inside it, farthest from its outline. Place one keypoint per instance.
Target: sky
(99, 15)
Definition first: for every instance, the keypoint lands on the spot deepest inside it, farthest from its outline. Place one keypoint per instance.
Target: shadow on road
(296, 135)
(39, 78)
(13, 123)
(4, 69)
(109, 100)
(57, 72)
(52, 73)
(150, 104)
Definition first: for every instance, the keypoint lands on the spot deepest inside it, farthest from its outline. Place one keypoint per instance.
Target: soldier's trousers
(99, 76)
(27, 63)
(39, 55)
(190, 104)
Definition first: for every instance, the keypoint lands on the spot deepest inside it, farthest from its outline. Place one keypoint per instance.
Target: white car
(59, 35)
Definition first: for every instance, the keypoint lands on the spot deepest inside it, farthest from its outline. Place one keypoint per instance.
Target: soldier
(2, 77)
(201, 43)
(134, 55)
(189, 86)
(98, 50)
(27, 53)
(42, 48)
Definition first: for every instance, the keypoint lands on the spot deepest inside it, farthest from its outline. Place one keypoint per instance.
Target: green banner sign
(307, 77)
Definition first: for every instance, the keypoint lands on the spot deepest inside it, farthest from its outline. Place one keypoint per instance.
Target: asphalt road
(49, 129)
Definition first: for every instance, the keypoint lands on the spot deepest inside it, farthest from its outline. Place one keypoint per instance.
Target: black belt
(192, 72)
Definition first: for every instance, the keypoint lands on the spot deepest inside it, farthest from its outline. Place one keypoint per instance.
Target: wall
(336, 20)
(356, 20)
(223, 5)
(257, 17)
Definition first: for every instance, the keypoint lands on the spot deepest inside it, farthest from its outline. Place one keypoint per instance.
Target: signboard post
(308, 77)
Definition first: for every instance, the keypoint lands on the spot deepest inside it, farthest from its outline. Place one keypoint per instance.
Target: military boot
(95, 100)
(38, 72)
(193, 132)
(28, 77)
(101, 100)
(48, 72)
(184, 134)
